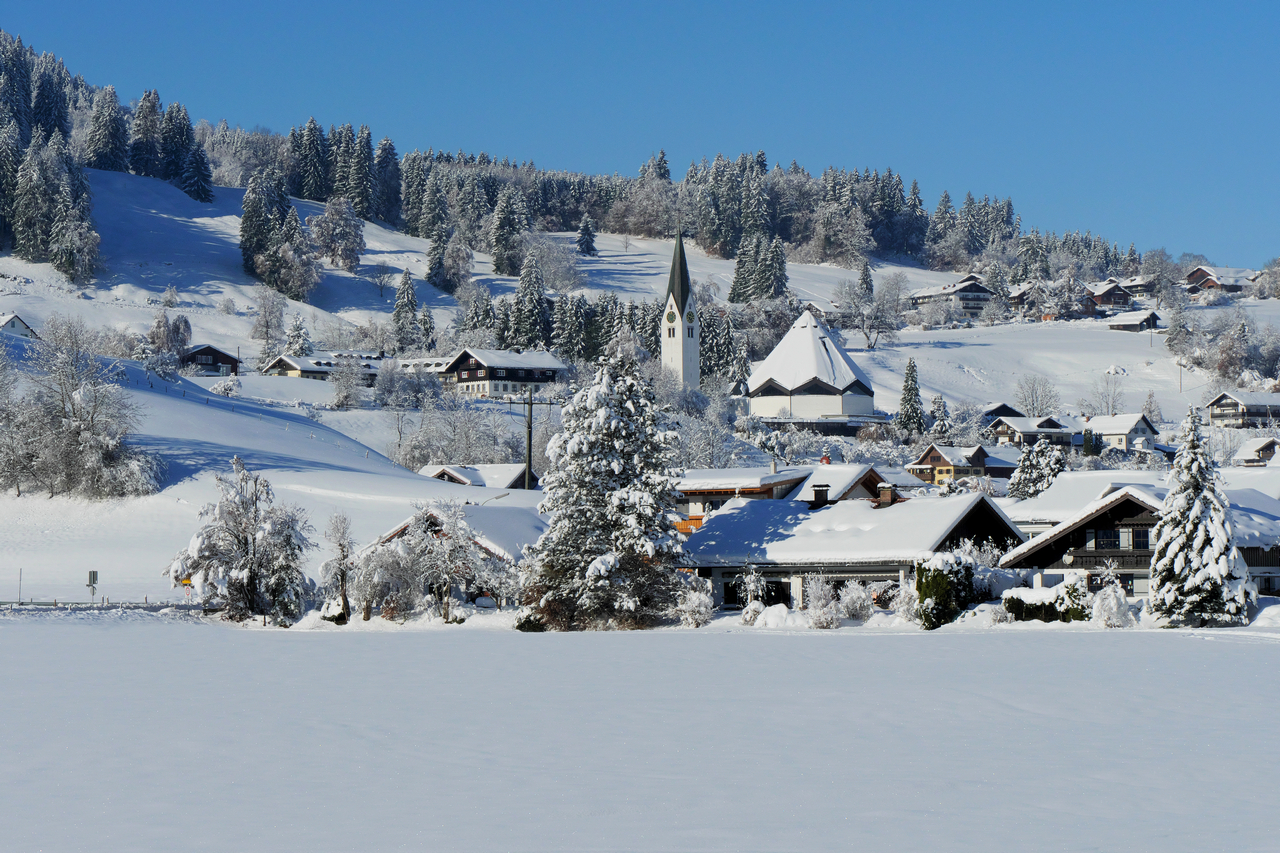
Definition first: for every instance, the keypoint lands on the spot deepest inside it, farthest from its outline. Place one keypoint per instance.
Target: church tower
(681, 331)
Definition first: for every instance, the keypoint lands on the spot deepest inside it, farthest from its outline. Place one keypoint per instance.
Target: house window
(500, 372)
(480, 373)
(1141, 539)
(471, 362)
(1106, 540)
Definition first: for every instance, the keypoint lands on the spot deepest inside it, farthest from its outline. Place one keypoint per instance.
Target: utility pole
(528, 442)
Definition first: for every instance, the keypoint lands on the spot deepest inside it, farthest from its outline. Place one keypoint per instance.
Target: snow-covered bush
(170, 298)
(163, 364)
(750, 585)
(855, 601)
(229, 387)
(1066, 602)
(1111, 608)
(906, 602)
(227, 306)
(695, 606)
(820, 602)
(752, 612)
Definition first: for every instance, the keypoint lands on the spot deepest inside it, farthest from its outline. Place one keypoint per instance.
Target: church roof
(678, 285)
(808, 353)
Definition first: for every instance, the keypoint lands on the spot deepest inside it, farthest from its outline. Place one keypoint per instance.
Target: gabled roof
(196, 347)
(1041, 424)
(1132, 318)
(969, 282)
(840, 480)
(1118, 424)
(732, 479)
(1135, 493)
(325, 362)
(508, 476)
(678, 282)
(532, 359)
(1100, 287)
(846, 533)
(1249, 398)
(806, 353)
(1072, 490)
(1225, 275)
(995, 410)
(503, 531)
(5, 318)
(1250, 449)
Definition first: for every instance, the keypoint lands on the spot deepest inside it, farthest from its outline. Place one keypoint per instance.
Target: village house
(1110, 295)
(969, 295)
(1124, 432)
(1025, 295)
(1226, 279)
(1139, 285)
(319, 365)
(1134, 321)
(941, 462)
(1117, 528)
(12, 324)
(494, 373)
(993, 410)
(810, 379)
(211, 361)
(504, 476)
(1025, 432)
(884, 538)
(1244, 409)
(1256, 452)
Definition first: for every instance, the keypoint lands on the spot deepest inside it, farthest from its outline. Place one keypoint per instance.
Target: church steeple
(678, 284)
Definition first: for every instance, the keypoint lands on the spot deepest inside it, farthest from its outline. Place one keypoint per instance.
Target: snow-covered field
(135, 732)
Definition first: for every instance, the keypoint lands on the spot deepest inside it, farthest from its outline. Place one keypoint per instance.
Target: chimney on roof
(888, 495)
(773, 465)
(820, 496)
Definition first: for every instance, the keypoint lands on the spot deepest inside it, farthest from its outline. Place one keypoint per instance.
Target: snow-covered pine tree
(298, 339)
(742, 289)
(941, 418)
(1197, 575)
(529, 311)
(427, 328)
(404, 318)
(1039, 466)
(1151, 408)
(108, 144)
(257, 222)
(911, 410)
(434, 212)
(197, 177)
(360, 174)
(339, 233)
(49, 109)
(176, 139)
(248, 554)
(586, 236)
(607, 558)
(386, 182)
(10, 159)
(313, 167)
(144, 136)
(288, 264)
(864, 279)
(435, 258)
(506, 231)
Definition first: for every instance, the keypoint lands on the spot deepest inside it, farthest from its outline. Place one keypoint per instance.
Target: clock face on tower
(671, 316)
(688, 318)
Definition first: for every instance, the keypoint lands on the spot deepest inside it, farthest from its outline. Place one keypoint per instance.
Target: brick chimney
(820, 493)
(888, 495)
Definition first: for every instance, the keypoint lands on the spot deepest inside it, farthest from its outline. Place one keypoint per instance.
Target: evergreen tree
(257, 221)
(404, 318)
(289, 264)
(941, 418)
(435, 206)
(314, 163)
(197, 177)
(33, 204)
(386, 182)
(298, 339)
(506, 231)
(1197, 575)
(108, 144)
(176, 139)
(49, 110)
(144, 136)
(529, 312)
(742, 289)
(360, 175)
(10, 161)
(427, 328)
(607, 558)
(1039, 466)
(864, 279)
(911, 410)
(586, 236)
(339, 233)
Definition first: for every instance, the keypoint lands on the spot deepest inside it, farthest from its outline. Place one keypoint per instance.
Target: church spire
(678, 284)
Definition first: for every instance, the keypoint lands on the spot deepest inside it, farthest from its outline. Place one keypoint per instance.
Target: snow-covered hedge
(1066, 602)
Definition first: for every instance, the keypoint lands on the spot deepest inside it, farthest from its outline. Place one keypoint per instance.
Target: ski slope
(131, 732)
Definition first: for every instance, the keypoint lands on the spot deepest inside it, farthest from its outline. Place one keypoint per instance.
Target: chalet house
(1244, 409)
(809, 377)
(704, 490)
(319, 365)
(868, 540)
(999, 410)
(968, 295)
(510, 476)
(941, 462)
(211, 360)
(493, 373)
(1025, 295)
(1256, 452)
(1139, 285)
(1124, 432)
(1118, 526)
(1226, 279)
(1110, 295)
(1025, 432)
(1134, 321)
(12, 324)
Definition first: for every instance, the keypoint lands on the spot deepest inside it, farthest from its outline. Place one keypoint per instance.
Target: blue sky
(1152, 123)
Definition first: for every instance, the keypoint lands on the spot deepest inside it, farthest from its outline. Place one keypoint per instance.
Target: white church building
(681, 331)
(810, 378)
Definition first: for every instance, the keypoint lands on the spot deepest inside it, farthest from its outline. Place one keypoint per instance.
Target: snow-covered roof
(503, 531)
(1118, 424)
(493, 476)
(195, 347)
(1023, 288)
(1100, 287)
(1249, 451)
(839, 480)
(846, 533)
(1044, 424)
(1227, 275)
(1255, 517)
(1071, 491)
(532, 359)
(949, 289)
(1250, 398)
(1003, 453)
(6, 319)
(324, 362)
(1265, 480)
(805, 354)
(1132, 318)
(727, 479)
